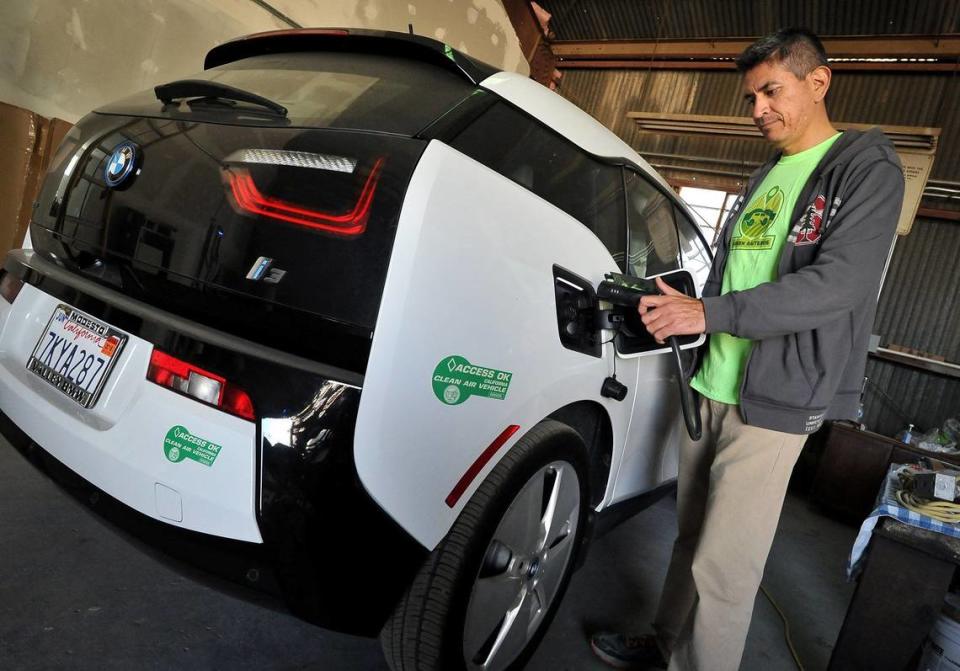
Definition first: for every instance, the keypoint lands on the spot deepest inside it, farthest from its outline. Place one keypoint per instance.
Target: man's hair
(798, 49)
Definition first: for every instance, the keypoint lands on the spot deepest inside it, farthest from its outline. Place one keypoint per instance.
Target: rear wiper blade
(190, 88)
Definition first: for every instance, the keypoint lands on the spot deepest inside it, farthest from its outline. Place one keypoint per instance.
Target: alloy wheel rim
(523, 568)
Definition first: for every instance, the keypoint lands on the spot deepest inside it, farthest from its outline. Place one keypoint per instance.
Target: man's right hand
(673, 313)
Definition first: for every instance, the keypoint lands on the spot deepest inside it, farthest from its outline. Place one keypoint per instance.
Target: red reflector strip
(478, 465)
(354, 222)
(238, 402)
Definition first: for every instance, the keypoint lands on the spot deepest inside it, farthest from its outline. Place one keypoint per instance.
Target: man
(788, 306)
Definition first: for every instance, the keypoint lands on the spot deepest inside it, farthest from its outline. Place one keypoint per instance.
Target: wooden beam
(748, 122)
(525, 24)
(844, 66)
(934, 213)
(879, 46)
(536, 48)
(904, 137)
(647, 49)
(677, 178)
(586, 64)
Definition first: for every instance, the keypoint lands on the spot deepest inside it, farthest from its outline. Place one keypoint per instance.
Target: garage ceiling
(697, 19)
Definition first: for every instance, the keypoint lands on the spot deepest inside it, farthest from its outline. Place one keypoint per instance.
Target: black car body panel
(351, 41)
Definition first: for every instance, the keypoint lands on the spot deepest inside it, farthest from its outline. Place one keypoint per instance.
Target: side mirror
(634, 340)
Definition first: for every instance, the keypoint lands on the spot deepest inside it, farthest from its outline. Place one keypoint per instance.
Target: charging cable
(943, 511)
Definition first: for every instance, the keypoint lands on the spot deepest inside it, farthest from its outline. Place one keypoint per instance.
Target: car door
(654, 247)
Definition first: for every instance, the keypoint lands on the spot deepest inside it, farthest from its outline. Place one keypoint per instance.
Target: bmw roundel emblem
(121, 164)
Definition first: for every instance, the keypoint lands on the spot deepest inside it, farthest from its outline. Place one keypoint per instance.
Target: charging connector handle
(624, 290)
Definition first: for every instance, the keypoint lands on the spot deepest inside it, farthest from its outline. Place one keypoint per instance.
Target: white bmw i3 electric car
(326, 314)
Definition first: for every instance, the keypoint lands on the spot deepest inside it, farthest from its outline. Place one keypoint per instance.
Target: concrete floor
(73, 594)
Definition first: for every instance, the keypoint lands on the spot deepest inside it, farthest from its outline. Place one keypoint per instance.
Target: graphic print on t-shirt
(811, 222)
(757, 220)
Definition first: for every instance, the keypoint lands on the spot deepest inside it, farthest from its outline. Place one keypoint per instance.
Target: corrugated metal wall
(920, 306)
(914, 99)
(648, 19)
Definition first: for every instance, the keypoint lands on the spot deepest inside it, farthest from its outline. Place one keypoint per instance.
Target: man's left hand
(671, 314)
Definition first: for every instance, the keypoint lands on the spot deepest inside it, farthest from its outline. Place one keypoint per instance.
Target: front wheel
(484, 598)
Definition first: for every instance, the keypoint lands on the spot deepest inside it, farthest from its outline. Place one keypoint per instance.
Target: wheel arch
(428, 627)
(592, 422)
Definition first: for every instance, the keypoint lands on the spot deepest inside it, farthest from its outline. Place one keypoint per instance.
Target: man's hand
(671, 314)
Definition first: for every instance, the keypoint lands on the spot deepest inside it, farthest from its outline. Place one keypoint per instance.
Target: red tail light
(193, 381)
(249, 199)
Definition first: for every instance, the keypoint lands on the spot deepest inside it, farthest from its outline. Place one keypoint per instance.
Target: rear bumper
(118, 445)
(225, 563)
(303, 527)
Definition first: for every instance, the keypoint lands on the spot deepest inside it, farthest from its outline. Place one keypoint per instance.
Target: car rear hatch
(272, 219)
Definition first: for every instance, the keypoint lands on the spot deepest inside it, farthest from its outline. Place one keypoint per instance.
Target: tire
(474, 575)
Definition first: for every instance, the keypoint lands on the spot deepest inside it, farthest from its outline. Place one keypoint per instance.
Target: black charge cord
(626, 292)
(689, 400)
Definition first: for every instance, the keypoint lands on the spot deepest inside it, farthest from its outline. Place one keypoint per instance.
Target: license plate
(76, 354)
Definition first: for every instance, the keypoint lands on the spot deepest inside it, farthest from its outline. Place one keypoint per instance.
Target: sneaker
(628, 652)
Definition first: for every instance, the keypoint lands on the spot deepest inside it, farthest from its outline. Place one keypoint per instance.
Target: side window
(542, 161)
(693, 249)
(653, 244)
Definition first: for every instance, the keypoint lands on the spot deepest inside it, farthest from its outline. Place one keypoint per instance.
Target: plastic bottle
(906, 436)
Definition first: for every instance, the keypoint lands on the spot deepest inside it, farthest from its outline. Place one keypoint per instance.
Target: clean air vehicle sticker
(180, 444)
(455, 380)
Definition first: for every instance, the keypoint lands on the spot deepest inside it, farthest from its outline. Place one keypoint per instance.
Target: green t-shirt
(752, 259)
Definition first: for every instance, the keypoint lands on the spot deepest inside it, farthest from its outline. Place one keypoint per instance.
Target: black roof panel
(383, 42)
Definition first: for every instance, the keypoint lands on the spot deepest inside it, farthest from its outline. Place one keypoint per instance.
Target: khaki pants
(730, 491)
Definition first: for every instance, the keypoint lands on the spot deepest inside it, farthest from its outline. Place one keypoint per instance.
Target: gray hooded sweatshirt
(811, 326)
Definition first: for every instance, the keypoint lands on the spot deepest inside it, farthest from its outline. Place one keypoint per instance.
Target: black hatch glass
(367, 92)
(237, 227)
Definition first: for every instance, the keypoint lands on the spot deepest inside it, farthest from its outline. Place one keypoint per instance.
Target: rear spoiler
(388, 43)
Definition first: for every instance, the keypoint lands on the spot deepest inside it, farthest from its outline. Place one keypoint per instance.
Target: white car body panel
(475, 279)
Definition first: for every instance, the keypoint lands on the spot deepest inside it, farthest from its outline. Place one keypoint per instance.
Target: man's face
(781, 105)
